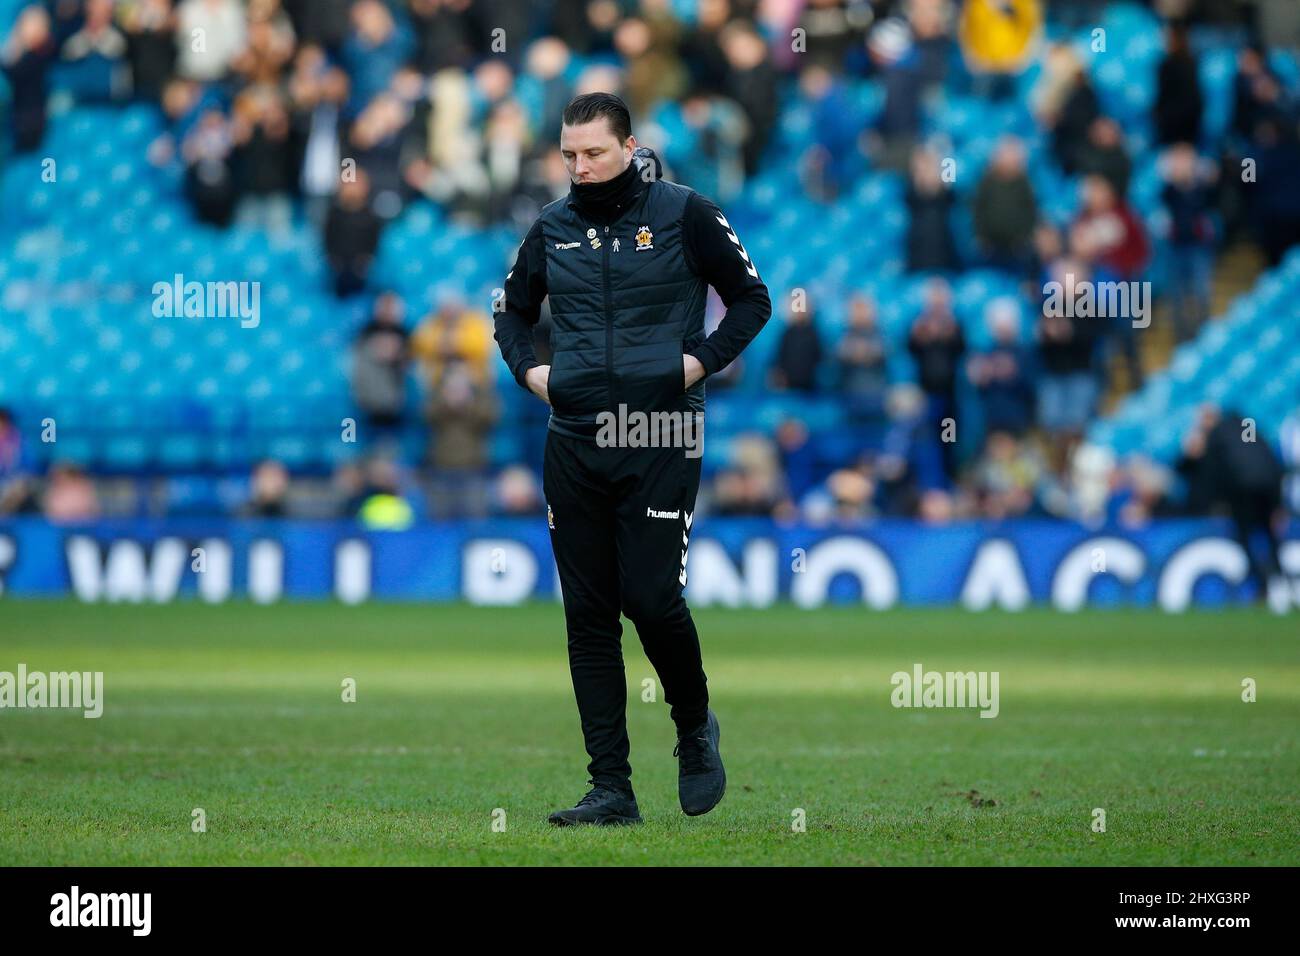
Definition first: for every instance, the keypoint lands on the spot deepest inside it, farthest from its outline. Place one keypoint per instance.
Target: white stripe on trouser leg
(685, 545)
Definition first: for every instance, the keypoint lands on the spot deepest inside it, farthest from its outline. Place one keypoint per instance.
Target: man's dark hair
(585, 108)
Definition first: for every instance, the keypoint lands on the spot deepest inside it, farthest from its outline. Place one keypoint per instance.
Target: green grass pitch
(462, 712)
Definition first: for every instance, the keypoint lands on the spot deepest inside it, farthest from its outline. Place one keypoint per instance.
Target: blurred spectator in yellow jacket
(455, 332)
(998, 38)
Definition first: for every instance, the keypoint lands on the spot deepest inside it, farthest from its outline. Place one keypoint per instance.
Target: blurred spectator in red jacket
(1108, 231)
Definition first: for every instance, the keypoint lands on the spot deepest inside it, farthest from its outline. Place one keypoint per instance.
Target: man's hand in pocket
(537, 379)
(693, 369)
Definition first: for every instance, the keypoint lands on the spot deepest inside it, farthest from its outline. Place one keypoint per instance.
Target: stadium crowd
(342, 113)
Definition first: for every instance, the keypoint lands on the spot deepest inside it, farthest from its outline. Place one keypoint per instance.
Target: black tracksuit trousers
(620, 523)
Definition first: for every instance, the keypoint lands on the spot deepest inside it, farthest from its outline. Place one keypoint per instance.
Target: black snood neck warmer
(605, 202)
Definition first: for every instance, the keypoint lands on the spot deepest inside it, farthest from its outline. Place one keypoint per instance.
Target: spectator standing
(26, 58)
(1110, 239)
(316, 92)
(379, 360)
(150, 27)
(207, 151)
(997, 39)
(860, 355)
(352, 235)
(1005, 210)
(1108, 232)
(371, 54)
(1188, 197)
(936, 343)
(1066, 104)
(1104, 155)
(1003, 374)
(930, 244)
(1275, 208)
(98, 53)
(263, 157)
(896, 131)
(798, 354)
(462, 413)
(833, 159)
(1179, 101)
(1067, 389)
(751, 81)
(454, 333)
(1244, 474)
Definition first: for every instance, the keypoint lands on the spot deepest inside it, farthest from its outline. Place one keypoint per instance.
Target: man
(1222, 465)
(626, 259)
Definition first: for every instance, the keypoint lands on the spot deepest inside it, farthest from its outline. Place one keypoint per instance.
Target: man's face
(592, 153)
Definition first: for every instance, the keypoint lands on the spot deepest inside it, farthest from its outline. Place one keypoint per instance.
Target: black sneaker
(602, 805)
(701, 779)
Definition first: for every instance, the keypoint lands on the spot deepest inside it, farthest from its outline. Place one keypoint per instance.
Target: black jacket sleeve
(525, 288)
(714, 253)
